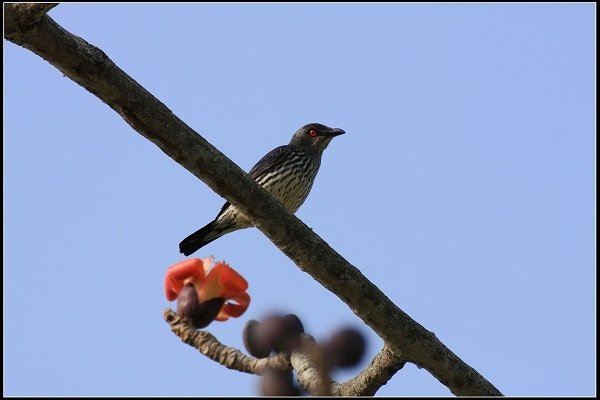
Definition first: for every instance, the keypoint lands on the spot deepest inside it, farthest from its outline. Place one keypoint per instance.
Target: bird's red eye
(312, 133)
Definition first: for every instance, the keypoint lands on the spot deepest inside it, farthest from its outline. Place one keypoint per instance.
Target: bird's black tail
(201, 237)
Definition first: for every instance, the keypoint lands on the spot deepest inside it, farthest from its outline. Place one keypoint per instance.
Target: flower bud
(282, 333)
(288, 338)
(254, 342)
(345, 348)
(277, 383)
(200, 314)
(275, 333)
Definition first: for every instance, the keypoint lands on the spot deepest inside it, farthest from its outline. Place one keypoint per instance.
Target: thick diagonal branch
(91, 68)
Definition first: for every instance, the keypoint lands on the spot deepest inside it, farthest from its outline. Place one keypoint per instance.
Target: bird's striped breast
(290, 180)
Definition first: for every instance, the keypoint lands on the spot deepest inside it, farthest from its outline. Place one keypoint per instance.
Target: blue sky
(464, 188)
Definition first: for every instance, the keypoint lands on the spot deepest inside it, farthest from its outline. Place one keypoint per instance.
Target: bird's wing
(264, 165)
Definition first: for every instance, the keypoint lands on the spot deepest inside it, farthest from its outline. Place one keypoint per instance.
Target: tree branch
(378, 373)
(229, 357)
(91, 68)
(310, 365)
(307, 361)
(24, 16)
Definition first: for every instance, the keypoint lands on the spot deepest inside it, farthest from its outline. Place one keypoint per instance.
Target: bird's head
(315, 136)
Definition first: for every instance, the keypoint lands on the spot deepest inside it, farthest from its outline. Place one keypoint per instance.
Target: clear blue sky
(464, 188)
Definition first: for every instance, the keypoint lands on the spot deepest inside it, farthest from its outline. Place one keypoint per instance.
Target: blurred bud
(255, 343)
(200, 314)
(345, 348)
(281, 333)
(275, 333)
(277, 383)
(288, 336)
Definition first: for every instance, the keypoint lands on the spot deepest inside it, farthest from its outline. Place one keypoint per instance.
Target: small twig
(371, 379)
(306, 360)
(309, 363)
(229, 357)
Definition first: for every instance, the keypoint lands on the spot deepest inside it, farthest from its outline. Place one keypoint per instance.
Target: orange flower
(220, 282)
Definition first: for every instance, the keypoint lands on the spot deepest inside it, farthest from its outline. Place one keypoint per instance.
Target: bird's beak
(334, 132)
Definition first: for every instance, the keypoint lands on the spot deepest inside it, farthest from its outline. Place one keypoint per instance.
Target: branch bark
(229, 357)
(310, 365)
(378, 373)
(307, 360)
(92, 69)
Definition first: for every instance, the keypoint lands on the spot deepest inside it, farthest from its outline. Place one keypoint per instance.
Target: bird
(286, 172)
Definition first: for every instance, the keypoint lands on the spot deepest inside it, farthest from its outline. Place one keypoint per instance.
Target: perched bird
(287, 172)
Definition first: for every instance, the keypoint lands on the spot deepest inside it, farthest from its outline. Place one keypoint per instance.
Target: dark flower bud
(290, 328)
(275, 333)
(254, 342)
(200, 314)
(277, 383)
(345, 348)
(281, 333)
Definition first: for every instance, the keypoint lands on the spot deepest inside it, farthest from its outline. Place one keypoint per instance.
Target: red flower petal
(234, 310)
(221, 281)
(191, 270)
(193, 267)
(230, 278)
